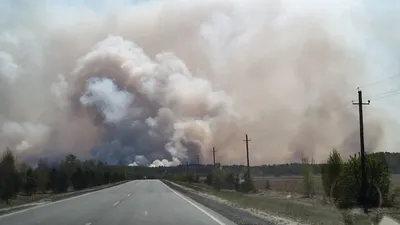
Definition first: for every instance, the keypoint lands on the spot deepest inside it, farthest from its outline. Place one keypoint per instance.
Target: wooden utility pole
(213, 151)
(198, 165)
(247, 153)
(364, 183)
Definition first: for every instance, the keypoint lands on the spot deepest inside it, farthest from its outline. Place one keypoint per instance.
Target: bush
(248, 185)
(330, 173)
(237, 182)
(217, 178)
(208, 179)
(349, 185)
(189, 177)
(230, 180)
(267, 185)
(308, 178)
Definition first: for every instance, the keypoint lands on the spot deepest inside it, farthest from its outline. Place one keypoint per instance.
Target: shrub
(349, 185)
(230, 180)
(209, 179)
(217, 178)
(189, 177)
(248, 185)
(308, 181)
(330, 173)
(237, 182)
(267, 185)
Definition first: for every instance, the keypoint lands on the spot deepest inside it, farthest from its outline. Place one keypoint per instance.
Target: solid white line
(116, 203)
(193, 204)
(64, 200)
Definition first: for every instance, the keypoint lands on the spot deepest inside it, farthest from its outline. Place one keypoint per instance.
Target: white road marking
(145, 212)
(64, 200)
(193, 204)
(88, 223)
(129, 195)
(116, 203)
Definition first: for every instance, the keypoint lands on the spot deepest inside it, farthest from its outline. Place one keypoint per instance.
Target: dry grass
(277, 200)
(295, 209)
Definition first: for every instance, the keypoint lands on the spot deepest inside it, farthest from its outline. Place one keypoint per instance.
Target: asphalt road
(141, 202)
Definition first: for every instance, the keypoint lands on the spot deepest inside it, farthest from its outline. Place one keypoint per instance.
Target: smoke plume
(159, 82)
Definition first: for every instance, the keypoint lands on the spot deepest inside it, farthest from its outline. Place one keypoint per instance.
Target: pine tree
(9, 178)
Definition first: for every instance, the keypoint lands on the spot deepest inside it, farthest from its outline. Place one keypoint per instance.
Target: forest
(71, 173)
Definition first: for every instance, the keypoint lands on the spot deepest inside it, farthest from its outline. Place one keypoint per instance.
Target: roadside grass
(21, 199)
(287, 208)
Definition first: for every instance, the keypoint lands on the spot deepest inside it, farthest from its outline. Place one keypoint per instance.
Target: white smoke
(133, 164)
(141, 160)
(8, 68)
(179, 107)
(24, 135)
(165, 163)
(105, 96)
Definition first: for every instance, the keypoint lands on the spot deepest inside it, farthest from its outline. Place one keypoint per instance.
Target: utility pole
(187, 166)
(213, 151)
(126, 174)
(363, 193)
(198, 166)
(247, 153)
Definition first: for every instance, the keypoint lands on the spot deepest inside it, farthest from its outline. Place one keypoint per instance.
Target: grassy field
(277, 201)
(296, 209)
(294, 184)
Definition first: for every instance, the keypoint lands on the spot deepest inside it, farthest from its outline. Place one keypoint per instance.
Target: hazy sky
(275, 60)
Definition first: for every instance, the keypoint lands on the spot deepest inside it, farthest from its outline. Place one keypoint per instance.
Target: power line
(345, 105)
(387, 94)
(347, 92)
(398, 93)
(384, 93)
(380, 81)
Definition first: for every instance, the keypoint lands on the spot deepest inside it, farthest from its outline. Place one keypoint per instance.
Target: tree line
(391, 160)
(19, 178)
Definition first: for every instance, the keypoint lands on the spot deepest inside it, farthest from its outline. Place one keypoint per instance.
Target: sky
(273, 60)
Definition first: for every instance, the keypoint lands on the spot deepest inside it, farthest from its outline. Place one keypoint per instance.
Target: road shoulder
(233, 214)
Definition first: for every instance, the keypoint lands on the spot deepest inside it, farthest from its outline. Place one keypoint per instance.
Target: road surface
(141, 202)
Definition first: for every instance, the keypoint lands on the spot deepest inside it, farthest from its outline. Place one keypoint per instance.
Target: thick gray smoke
(158, 82)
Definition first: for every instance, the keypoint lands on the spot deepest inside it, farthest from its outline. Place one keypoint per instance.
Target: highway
(142, 202)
